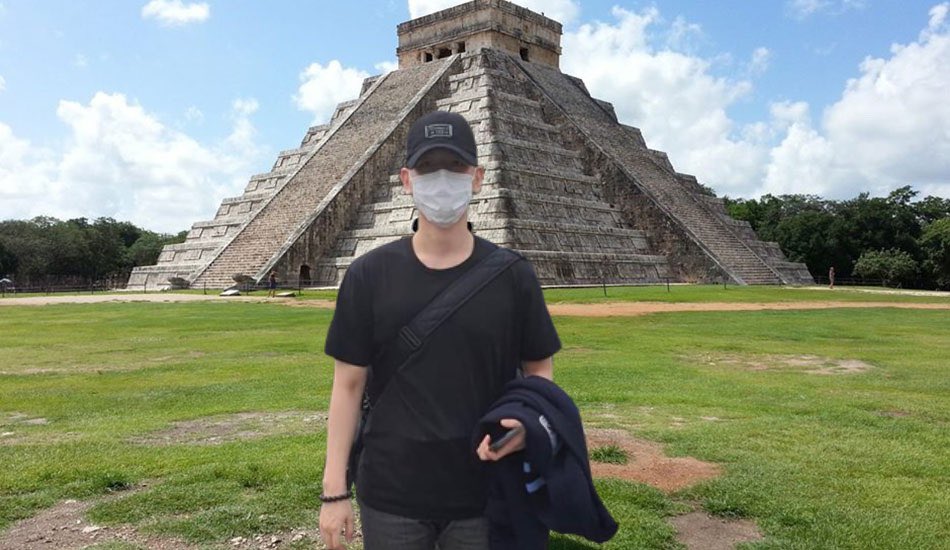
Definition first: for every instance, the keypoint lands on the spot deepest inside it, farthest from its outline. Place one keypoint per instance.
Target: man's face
(442, 159)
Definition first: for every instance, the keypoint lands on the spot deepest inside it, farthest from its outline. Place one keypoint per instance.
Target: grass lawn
(851, 460)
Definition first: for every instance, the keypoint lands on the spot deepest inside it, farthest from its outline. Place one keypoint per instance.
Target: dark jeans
(382, 531)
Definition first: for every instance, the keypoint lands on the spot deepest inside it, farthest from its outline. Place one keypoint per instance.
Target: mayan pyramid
(578, 193)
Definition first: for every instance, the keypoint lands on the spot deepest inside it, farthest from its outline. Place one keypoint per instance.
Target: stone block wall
(476, 25)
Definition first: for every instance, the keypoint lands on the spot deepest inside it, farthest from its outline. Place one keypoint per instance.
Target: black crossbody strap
(463, 289)
(415, 334)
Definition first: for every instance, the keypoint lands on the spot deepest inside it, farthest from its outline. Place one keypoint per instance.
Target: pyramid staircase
(568, 186)
(650, 171)
(536, 198)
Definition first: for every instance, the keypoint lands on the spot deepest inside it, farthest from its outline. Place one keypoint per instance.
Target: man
(420, 484)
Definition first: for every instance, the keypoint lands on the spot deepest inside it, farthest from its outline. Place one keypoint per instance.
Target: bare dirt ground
(630, 309)
(810, 364)
(701, 531)
(647, 463)
(216, 430)
(64, 526)
(613, 309)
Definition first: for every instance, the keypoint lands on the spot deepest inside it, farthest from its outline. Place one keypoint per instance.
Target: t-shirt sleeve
(350, 337)
(539, 339)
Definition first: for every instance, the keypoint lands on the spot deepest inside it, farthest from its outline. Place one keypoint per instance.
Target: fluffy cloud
(802, 9)
(176, 12)
(386, 66)
(123, 162)
(760, 60)
(887, 129)
(672, 96)
(564, 11)
(323, 87)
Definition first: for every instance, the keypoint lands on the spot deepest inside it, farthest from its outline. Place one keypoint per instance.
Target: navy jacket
(543, 488)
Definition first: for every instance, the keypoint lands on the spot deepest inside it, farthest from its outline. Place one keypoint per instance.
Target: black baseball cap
(441, 130)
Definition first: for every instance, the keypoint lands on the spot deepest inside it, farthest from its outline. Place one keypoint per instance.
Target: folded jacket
(547, 486)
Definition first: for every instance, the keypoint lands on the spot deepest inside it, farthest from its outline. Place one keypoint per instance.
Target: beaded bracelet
(346, 496)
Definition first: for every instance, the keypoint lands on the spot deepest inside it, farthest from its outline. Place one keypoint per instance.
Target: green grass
(841, 461)
(608, 454)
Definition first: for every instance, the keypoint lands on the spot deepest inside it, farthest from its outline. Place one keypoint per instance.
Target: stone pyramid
(574, 190)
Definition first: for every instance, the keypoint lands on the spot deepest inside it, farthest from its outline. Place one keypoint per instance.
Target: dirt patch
(647, 463)
(700, 531)
(12, 425)
(18, 418)
(215, 430)
(894, 413)
(611, 309)
(629, 309)
(64, 526)
(810, 364)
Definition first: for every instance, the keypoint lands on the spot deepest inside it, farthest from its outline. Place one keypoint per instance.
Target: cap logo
(438, 131)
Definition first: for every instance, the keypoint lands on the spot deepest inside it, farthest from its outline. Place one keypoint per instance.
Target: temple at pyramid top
(569, 186)
(495, 24)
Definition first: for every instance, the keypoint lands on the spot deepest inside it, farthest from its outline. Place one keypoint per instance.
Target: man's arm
(336, 518)
(543, 368)
(345, 399)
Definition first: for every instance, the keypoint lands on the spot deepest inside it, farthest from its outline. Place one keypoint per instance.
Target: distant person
(272, 284)
(831, 277)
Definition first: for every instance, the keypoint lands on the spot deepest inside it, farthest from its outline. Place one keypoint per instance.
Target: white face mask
(442, 196)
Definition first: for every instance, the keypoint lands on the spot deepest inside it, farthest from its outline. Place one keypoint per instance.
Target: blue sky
(154, 110)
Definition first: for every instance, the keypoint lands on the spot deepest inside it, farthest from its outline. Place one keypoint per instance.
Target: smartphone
(501, 441)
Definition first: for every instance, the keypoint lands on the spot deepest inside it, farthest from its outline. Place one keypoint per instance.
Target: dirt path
(611, 309)
(629, 309)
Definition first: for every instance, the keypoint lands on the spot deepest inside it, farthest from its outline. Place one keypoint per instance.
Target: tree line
(46, 251)
(896, 239)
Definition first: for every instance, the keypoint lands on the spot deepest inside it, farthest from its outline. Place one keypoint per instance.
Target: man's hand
(516, 444)
(337, 523)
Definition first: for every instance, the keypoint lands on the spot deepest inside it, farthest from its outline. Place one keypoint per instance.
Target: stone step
(362, 130)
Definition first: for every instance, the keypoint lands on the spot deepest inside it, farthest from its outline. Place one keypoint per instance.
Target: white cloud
(323, 87)
(80, 61)
(123, 162)
(3, 83)
(890, 126)
(176, 12)
(386, 66)
(194, 114)
(563, 11)
(673, 97)
(682, 34)
(888, 129)
(803, 9)
(759, 63)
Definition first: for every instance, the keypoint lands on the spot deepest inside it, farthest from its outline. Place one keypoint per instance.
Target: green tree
(25, 241)
(8, 261)
(893, 266)
(931, 209)
(935, 244)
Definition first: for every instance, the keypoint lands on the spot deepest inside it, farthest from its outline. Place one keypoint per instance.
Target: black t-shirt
(418, 459)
